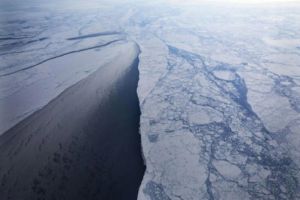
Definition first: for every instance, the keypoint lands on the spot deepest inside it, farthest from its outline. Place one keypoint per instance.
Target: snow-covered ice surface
(219, 92)
(219, 87)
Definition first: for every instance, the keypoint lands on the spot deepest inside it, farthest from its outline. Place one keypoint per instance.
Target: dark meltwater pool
(85, 144)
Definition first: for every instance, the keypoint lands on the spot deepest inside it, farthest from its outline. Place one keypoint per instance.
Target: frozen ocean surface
(219, 86)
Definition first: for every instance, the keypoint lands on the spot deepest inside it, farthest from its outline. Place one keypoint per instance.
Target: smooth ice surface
(219, 86)
(45, 49)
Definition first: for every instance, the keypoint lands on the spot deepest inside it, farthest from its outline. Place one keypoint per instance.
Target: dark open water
(55, 154)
